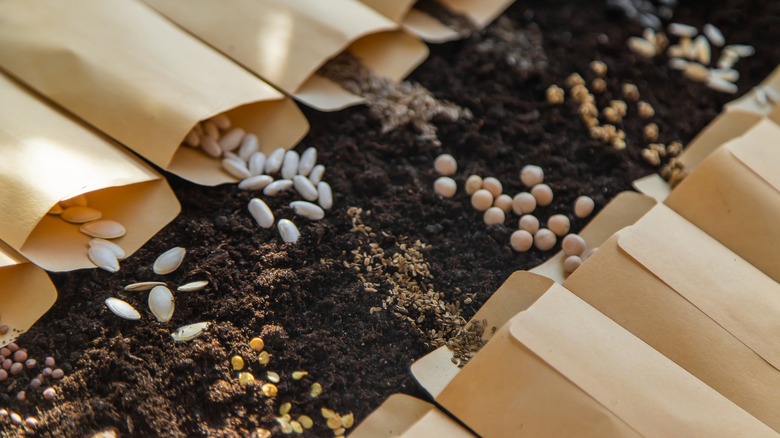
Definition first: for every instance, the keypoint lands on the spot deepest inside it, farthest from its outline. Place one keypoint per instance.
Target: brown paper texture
(394, 10)
(652, 185)
(734, 196)
(428, 28)
(48, 156)
(132, 74)
(26, 293)
(480, 12)
(405, 416)
(545, 375)
(690, 301)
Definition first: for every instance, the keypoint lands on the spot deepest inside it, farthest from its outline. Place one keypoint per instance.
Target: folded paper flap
(731, 291)
(481, 12)
(726, 126)
(428, 28)
(9, 256)
(391, 54)
(323, 94)
(26, 293)
(759, 149)
(394, 10)
(624, 374)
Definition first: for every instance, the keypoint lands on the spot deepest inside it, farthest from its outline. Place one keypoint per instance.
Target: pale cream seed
(544, 239)
(598, 67)
(494, 216)
(571, 263)
(481, 200)
(531, 175)
(445, 165)
(543, 194)
(298, 375)
(645, 109)
(504, 202)
(559, 224)
(521, 240)
(445, 187)
(573, 244)
(630, 92)
(583, 206)
(493, 186)
(528, 223)
(306, 421)
(473, 183)
(523, 203)
(273, 377)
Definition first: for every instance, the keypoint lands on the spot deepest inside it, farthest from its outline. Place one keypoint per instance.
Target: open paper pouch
(132, 74)
(405, 416)
(286, 42)
(696, 302)
(26, 293)
(47, 157)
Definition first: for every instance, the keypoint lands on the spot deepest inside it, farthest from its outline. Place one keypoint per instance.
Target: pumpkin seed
(169, 261)
(103, 229)
(161, 303)
(80, 215)
(116, 249)
(103, 258)
(189, 332)
(122, 309)
(143, 286)
(193, 286)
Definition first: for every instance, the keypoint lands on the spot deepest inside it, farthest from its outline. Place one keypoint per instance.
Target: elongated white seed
(249, 145)
(714, 35)
(169, 261)
(316, 174)
(261, 213)
(721, 85)
(193, 286)
(192, 139)
(104, 229)
(696, 72)
(189, 332)
(274, 161)
(210, 147)
(727, 59)
(143, 286)
(80, 215)
(232, 139)
(703, 51)
(116, 249)
(103, 258)
(308, 210)
(324, 195)
(277, 187)
(641, 47)
(305, 188)
(676, 51)
(677, 63)
(682, 30)
(221, 121)
(727, 74)
(257, 163)
(122, 309)
(258, 182)
(236, 167)
(742, 50)
(307, 162)
(161, 303)
(231, 155)
(211, 130)
(288, 231)
(290, 164)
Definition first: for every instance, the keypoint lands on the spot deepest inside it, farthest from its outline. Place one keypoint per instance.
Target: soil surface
(312, 311)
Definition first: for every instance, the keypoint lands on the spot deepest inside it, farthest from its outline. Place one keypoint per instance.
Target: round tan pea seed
(257, 344)
(544, 239)
(573, 244)
(494, 216)
(523, 203)
(531, 175)
(504, 202)
(559, 224)
(583, 206)
(528, 223)
(571, 263)
(445, 164)
(493, 186)
(481, 200)
(473, 183)
(237, 362)
(543, 194)
(521, 240)
(445, 187)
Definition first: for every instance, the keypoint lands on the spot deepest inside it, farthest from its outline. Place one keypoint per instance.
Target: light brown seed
(504, 202)
(494, 216)
(583, 206)
(559, 224)
(521, 240)
(445, 187)
(630, 92)
(269, 390)
(544, 239)
(555, 95)
(573, 244)
(571, 263)
(481, 200)
(543, 194)
(645, 109)
(445, 165)
(493, 186)
(473, 183)
(523, 203)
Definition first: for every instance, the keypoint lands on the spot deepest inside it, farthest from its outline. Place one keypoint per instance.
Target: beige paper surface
(405, 416)
(132, 74)
(625, 290)
(734, 196)
(428, 28)
(394, 10)
(48, 156)
(26, 293)
(480, 12)
(652, 185)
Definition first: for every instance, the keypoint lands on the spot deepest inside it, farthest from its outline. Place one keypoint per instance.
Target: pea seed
(445, 187)
(494, 216)
(571, 263)
(544, 239)
(543, 194)
(473, 183)
(528, 222)
(270, 390)
(531, 175)
(237, 362)
(523, 203)
(257, 344)
(559, 224)
(445, 165)
(573, 244)
(504, 202)
(583, 206)
(492, 185)
(521, 240)
(481, 200)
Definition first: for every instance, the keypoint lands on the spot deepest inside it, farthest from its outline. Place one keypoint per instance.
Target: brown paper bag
(405, 416)
(48, 156)
(26, 293)
(734, 196)
(286, 42)
(132, 74)
(694, 301)
(561, 368)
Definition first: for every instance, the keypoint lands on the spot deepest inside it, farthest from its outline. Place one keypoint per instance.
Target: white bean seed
(528, 222)
(641, 47)
(232, 139)
(211, 130)
(261, 213)
(473, 183)
(721, 85)
(249, 145)
(277, 187)
(236, 167)
(104, 229)
(558, 224)
(325, 195)
(696, 72)
(308, 210)
(103, 258)
(521, 240)
(523, 203)
(727, 59)
(288, 231)
(316, 174)
(257, 163)
(445, 187)
(305, 188)
(257, 182)
(504, 202)
(531, 175)
(543, 194)
(481, 200)
(290, 164)
(573, 244)
(445, 165)
(169, 261)
(714, 34)
(210, 147)
(544, 239)
(192, 139)
(583, 206)
(682, 30)
(494, 216)
(492, 185)
(727, 74)
(703, 51)
(274, 161)
(221, 121)
(742, 50)
(677, 63)
(307, 162)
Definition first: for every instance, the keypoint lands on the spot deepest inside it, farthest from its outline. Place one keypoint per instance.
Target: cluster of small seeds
(102, 252)
(338, 423)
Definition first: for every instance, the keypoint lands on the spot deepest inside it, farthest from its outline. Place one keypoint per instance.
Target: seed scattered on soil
(122, 309)
(273, 377)
(244, 378)
(169, 261)
(161, 303)
(288, 231)
(543, 195)
(555, 95)
(306, 421)
(531, 175)
(257, 344)
(559, 224)
(237, 362)
(445, 165)
(189, 332)
(445, 187)
(269, 390)
(504, 202)
(583, 206)
(316, 390)
(544, 239)
(264, 358)
(298, 375)
(193, 286)
(494, 216)
(521, 240)
(481, 200)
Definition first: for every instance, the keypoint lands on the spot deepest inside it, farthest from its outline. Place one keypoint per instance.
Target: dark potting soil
(312, 312)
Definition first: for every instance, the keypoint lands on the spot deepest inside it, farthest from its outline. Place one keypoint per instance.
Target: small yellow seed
(285, 408)
(237, 362)
(270, 390)
(306, 421)
(339, 432)
(286, 417)
(630, 92)
(598, 85)
(286, 427)
(296, 426)
(574, 79)
(273, 377)
(298, 375)
(244, 378)
(334, 422)
(327, 413)
(598, 67)
(348, 420)
(645, 110)
(264, 358)
(554, 95)
(316, 389)
(257, 344)
(651, 132)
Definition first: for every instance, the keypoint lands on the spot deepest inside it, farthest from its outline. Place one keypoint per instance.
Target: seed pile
(645, 12)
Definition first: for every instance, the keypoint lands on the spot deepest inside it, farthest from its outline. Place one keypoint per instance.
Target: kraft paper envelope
(480, 12)
(694, 301)
(47, 157)
(285, 42)
(405, 416)
(129, 72)
(561, 368)
(26, 293)
(734, 196)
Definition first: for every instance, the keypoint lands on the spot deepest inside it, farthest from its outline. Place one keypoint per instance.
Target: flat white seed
(116, 249)
(676, 51)
(481, 200)
(103, 258)
(307, 162)
(727, 59)
(559, 224)
(308, 210)
(324, 195)
(80, 215)
(504, 202)
(571, 263)
(714, 35)
(544, 239)
(305, 188)
(521, 240)
(649, 35)
(221, 121)
(316, 174)
(274, 161)
(257, 163)
(677, 63)
(492, 185)
(288, 231)
(210, 147)
(573, 244)
(193, 286)
(143, 286)
(445, 187)
(494, 216)
(721, 85)
(473, 183)
(682, 30)
(277, 187)
(76, 201)
(169, 261)
(161, 303)
(122, 309)
(696, 72)
(641, 47)
(192, 139)
(290, 164)
(189, 332)
(528, 222)
(727, 74)
(531, 175)
(583, 206)
(523, 203)
(261, 213)
(742, 50)
(445, 165)
(232, 139)
(104, 229)
(703, 51)
(231, 155)
(543, 194)
(211, 130)
(249, 145)
(257, 182)
(55, 210)
(236, 167)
